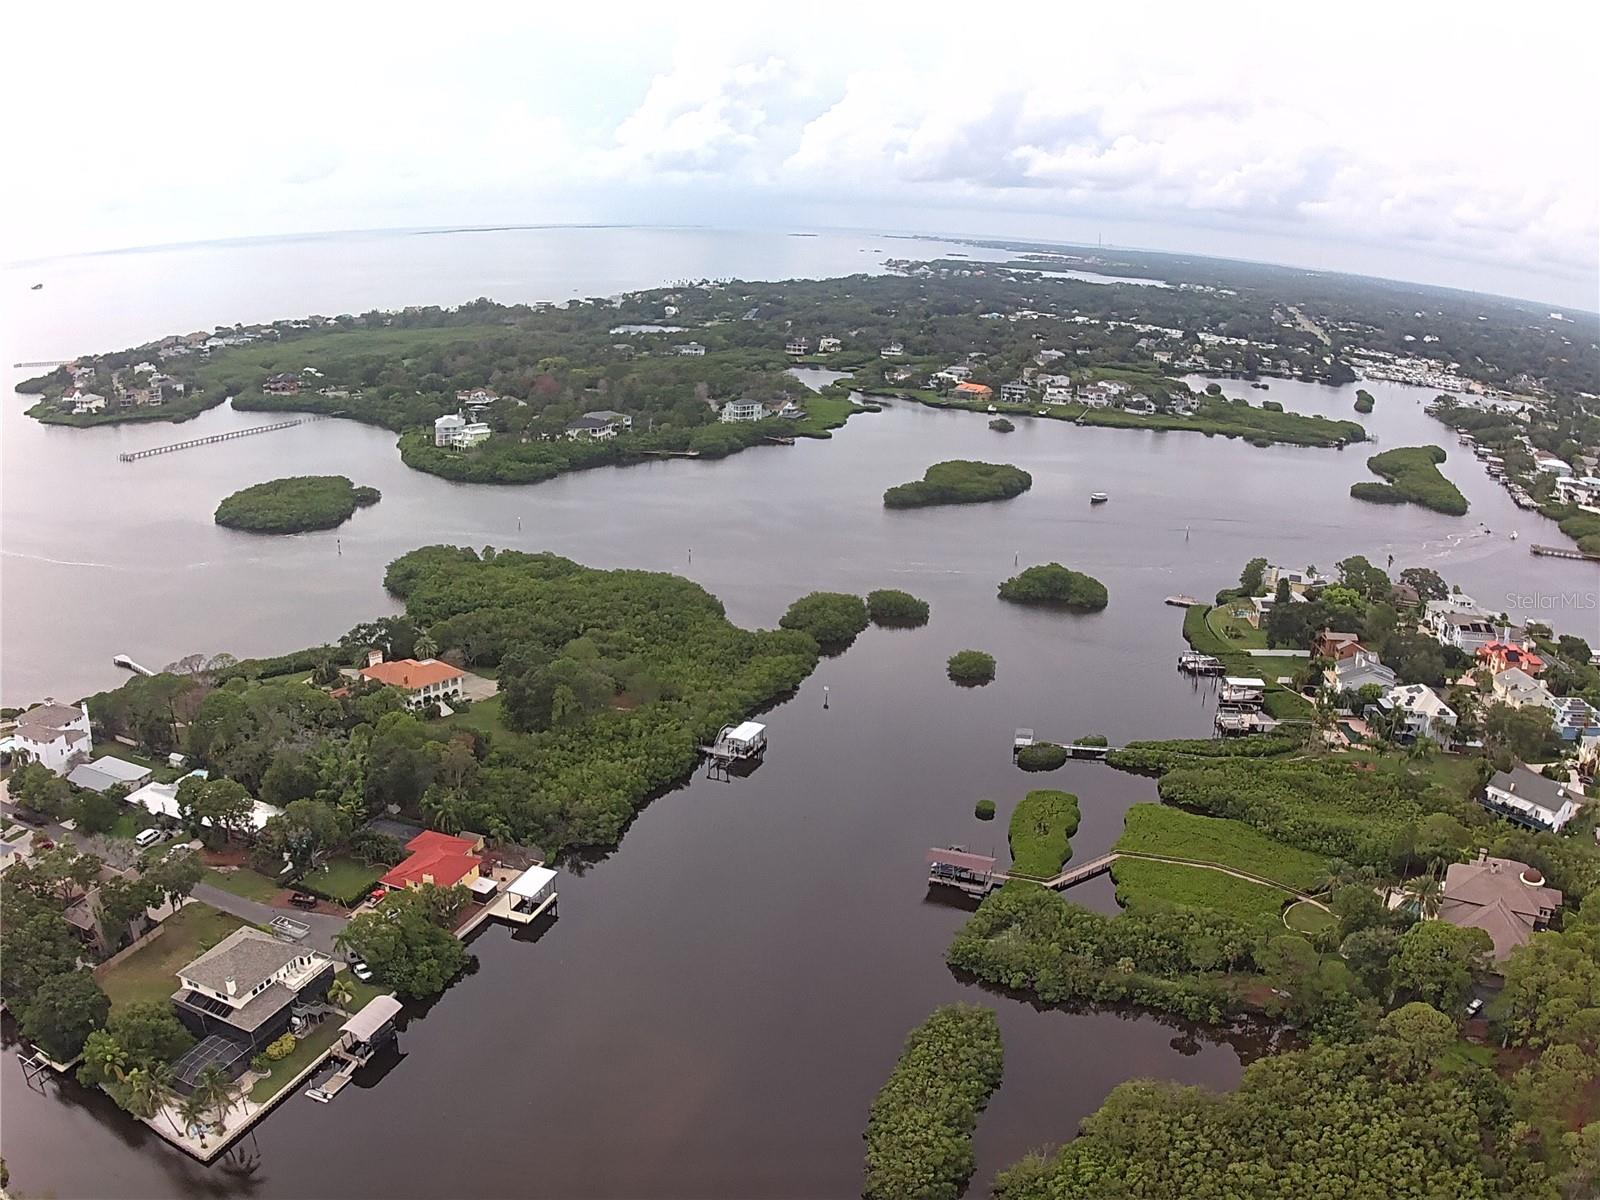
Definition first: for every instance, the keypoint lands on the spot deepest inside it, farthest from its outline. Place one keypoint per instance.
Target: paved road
(324, 926)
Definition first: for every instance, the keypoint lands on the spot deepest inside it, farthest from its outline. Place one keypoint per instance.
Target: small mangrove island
(298, 504)
(970, 668)
(960, 481)
(1055, 586)
(896, 609)
(832, 618)
(1364, 401)
(1041, 832)
(1413, 477)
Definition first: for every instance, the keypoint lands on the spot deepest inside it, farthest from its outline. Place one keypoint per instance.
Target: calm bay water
(721, 996)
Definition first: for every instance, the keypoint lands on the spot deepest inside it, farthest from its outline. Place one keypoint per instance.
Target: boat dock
(1239, 723)
(1182, 601)
(1023, 738)
(970, 874)
(232, 434)
(1191, 663)
(127, 664)
(1563, 552)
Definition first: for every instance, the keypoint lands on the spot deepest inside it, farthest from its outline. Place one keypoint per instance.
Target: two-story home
(735, 411)
(797, 347)
(425, 682)
(1335, 645)
(1015, 392)
(692, 350)
(244, 988)
(1423, 713)
(1504, 653)
(600, 425)
(54, 735)
(458, 433)
(1527, 798)
(1357, 671)
(827, 345)
(1519, 689)
(1506, 899)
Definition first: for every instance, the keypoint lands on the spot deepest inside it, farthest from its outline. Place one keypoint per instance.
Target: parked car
(43, 843)
(360, 969)
(147, 837)
(1475, 1007)
(303, 900)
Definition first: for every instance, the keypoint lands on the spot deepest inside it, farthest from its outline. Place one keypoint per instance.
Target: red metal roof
(435, 857)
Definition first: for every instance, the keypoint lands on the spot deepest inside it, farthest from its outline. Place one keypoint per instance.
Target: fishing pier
(231, 435)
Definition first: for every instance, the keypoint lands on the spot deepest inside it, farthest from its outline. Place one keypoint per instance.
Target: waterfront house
(285, 383)
(242, 993)
(956, 373)
(1336, 645)
(1580, 490)
(1423, 713)
(438, 858)
(797, 347)
(827, 345)
(1503, 654)
(1575, 718)
(1518, 689)
(84, 402)
(1300, 580)
(458, 433)
(53, 735)
(980, 393)
(1466, 629)
(1015, 392)
(107, 772)
(1527, 798)
(892, 350)
(1357, 671)
(600, 425)
(742, 410)
(1551, 465)
(692, 350)
(424, 682)
(1505, 898)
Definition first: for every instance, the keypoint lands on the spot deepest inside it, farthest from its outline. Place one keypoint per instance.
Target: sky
(1456, 145)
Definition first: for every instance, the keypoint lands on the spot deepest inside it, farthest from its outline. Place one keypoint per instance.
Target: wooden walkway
(173, 447)
(1562, 552)
(1072, 876)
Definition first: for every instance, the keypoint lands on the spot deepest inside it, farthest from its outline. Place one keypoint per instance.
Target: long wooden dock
(1563, 552)
(174, 447)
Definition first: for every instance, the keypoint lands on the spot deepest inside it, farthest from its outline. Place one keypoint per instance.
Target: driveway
(324, 927)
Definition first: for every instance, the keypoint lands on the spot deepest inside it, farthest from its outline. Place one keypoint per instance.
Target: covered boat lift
(973, 874)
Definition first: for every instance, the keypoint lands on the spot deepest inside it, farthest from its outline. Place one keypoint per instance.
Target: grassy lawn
(483, 716)
(151, 973)
(1281, 702)
(130, 823)
(1042, 826)
(1456, 773)
(1160, 829)
(311, 1048)
(251, 885)
(1232, 631)
(342, 879)
(163, 773)
(1141, 884)
(363, 992)
(1308, 918)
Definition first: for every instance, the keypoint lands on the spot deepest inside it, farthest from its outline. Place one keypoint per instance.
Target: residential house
(1403, 596)
(692, 350)
(742, 410)
(980, 393)
(1424, 713)
(285, 383)
(1519, 689)
(1503, 654)
(107, 772)
(1046, 357)
(600, 425)
(1015, 392)
(161, 800)
(955, 373)
(1551, 465)
(1301, 580)
(1357, 671)
(1335, 645)
(54, 736)
(787, 409)
(476, 399)
(827, 345)
(892, 350)
(1505, 898)
(1527, 798)
(84, 402)
(429, 681)
(1575, 718)
(457, 432)
(1466, 628)
(797, 347)
(1580, 490)
(437, 858)
(242, 993)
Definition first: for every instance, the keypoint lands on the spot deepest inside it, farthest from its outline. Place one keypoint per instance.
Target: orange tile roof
(410, 674)
(435, 857)
(977, 389)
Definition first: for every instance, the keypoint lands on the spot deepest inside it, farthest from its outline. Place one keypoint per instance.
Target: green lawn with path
(150, 973)
(312, 1047)
(1174, 833)
(1308, 918)
(1145, 884)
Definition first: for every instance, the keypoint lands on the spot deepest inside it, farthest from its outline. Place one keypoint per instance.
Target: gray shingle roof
(246, 955)
(1532, 787)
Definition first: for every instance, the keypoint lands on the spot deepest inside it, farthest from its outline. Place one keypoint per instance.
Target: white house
(1583, 489)
(1516, 687)
(108, 772)
(1551, 465)
(600, 425)
(957, 373)
(1529, 799)
(692, 349)
(1465, 630)
(476, 398)
(797, 346)
(742, 410)
(892, 350)
(1426, 715)
(456, 431)
(1015, 392)
(54, 736)
(1356, 672)
(1300, 580)
(827, 345)
(85, 402)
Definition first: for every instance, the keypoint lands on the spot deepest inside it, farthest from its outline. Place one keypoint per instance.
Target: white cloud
(1465, 141)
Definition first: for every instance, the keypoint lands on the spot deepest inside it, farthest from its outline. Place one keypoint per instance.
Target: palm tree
(193, 1111)
(107, 1057)
(215, 1090)
(1426, 892)
(161, 1089)
(340, 992)
(1422, 749)
(149, 1089)
(424, 646)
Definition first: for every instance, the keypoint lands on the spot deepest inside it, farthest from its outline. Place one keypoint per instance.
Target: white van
(147, 837)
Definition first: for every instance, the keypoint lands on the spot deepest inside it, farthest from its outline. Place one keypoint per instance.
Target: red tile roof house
(427, 682)
(437, 858)
(1503, 655)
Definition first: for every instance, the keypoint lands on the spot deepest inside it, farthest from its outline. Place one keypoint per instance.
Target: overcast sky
(1453, 145)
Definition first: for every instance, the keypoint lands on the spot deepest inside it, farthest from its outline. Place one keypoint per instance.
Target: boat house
(370, 1030)
(970, 873)
(527, 896)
